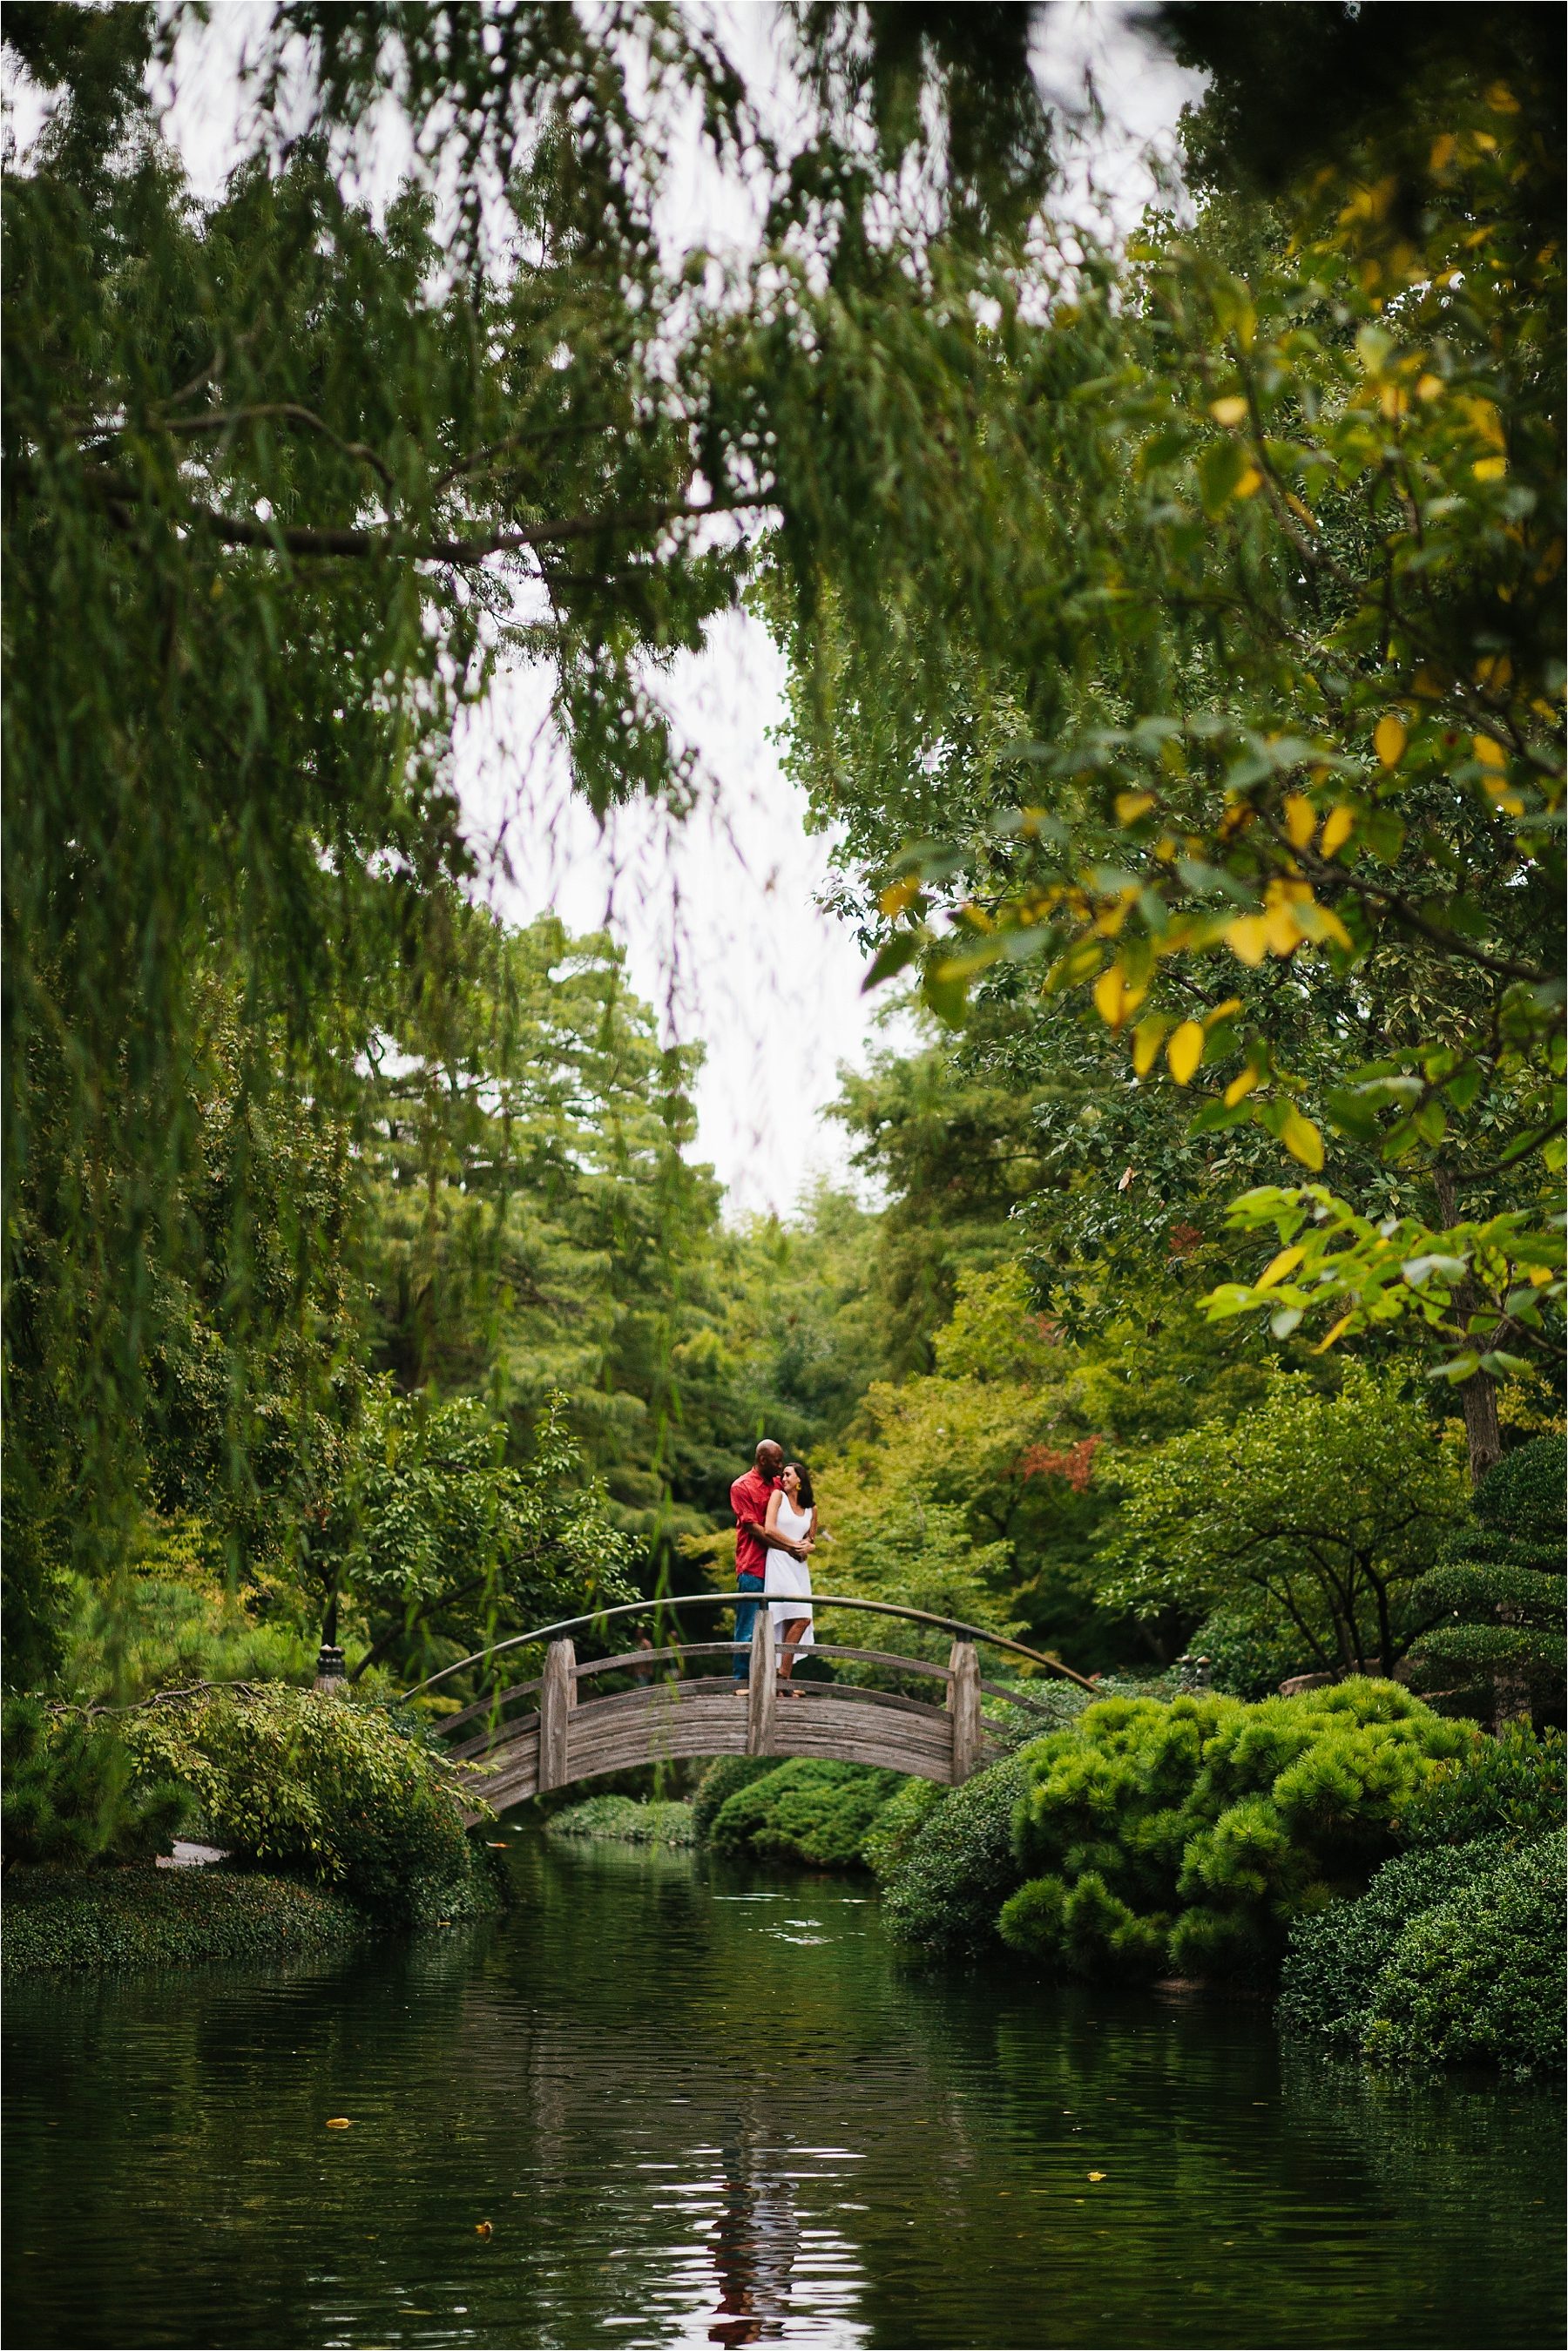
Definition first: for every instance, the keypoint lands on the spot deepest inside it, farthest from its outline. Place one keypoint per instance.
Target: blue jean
(745, 1624)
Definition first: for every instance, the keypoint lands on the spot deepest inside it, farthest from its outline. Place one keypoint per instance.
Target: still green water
(698, 2108)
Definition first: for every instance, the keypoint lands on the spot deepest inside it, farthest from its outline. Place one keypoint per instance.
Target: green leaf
(894, 957)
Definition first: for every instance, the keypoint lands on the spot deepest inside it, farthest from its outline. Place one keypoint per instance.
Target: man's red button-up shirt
(749, 1500)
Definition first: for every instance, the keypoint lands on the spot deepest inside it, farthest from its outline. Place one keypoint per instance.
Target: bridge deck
(568, 1741)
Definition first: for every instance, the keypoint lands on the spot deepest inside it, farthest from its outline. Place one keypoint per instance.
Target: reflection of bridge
(563, 1736)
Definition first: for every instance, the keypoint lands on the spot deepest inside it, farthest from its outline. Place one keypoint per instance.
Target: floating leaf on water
(1096, 2175)
(339, 2122)
(481, 2228)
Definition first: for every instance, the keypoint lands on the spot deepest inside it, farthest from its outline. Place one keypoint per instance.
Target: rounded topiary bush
(815, 1812)
(723, 1780)
(943, 1885)
(1478, 1979)
(1189, 1835)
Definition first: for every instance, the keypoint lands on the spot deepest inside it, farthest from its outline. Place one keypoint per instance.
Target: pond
(696, 2108)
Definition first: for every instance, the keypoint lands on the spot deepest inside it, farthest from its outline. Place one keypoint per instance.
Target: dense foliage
(68, 1794)
(1336, 1958)
(624, 1819)
(310, 1780)
(1188, 1835)
(1478, 1978)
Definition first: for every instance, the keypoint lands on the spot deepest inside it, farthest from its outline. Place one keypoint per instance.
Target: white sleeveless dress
(790, 1575)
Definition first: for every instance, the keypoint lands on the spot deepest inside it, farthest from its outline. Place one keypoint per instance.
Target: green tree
(1323, 1509)
(1494, 1606)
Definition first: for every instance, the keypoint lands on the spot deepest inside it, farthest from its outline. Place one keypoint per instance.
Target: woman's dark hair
(804, 1475)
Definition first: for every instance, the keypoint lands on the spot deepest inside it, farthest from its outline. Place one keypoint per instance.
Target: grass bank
(624, 1819)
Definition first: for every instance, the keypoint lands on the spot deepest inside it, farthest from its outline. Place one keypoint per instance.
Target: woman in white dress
(791, 1512)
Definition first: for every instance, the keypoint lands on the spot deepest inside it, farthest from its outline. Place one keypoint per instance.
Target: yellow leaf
(1247, 939)
(1489, 753)
(1389, 739)
(1282, 930)
(1502, 100)
(1221, 1012)
(1250, 480)
(1114, 999)
(1487, 469)
(1131, 806)
(1286, 1262)
(1301, 1140)
(339, 2122)
(1301, 820)
(1393, 400)
(896, 896)
(1338, 826)
(1430, 387)
(1239, 1086)
(1184, 1052)
(1147, 1037)
(1442, 153)
(1231, 410)
(1096, 2175)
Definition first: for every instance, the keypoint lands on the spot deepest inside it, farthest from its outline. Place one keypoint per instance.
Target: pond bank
(79, 1920)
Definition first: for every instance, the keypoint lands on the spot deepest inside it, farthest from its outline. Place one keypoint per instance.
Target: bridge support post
(557, 1699)
(964, 1701)
(763, 1693)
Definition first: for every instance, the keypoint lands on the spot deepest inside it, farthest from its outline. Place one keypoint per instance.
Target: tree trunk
(1478, 1395)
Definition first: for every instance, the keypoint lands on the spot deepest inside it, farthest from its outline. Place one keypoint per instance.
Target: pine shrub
(1190, 1834)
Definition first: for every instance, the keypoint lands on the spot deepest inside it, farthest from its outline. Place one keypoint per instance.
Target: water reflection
(704, 2111)
(755, 2243)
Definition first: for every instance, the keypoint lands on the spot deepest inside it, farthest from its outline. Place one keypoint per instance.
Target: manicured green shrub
(815, 1812)
(1480, 1979)
(944, 1887)
(1513, 1783)
(69, 1793)
(898, 1824)
(723, 1780)
(1190, 1834)
(624, 1819)
(1335, 1957)
(1495, 1599)
(317, 1781)
(151, 1918)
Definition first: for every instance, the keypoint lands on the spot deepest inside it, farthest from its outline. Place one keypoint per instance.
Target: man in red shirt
(749, 1500)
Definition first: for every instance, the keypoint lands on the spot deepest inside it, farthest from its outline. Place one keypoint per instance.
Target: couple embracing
(775, 1533)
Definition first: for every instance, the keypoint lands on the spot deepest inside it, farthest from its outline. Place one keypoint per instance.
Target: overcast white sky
(720, 920)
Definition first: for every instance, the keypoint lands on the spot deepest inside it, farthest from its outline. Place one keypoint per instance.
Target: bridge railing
(565, 1737)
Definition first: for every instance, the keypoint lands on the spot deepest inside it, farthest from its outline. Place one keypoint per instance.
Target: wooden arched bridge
(565, 1733)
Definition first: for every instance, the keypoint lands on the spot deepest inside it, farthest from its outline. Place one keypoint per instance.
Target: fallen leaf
(481, 2228)
(339, 2122)
(1096, 2175)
